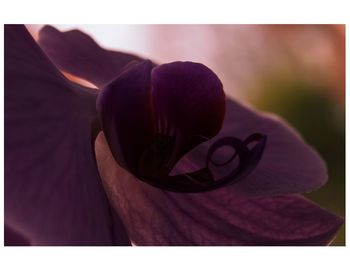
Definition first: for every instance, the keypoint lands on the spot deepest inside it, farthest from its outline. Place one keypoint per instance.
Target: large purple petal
(288, 165)
(53, 193)
(220, 217)
(78, 54)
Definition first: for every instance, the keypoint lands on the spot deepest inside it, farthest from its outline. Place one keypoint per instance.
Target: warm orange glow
(78, 80)
(34, 30)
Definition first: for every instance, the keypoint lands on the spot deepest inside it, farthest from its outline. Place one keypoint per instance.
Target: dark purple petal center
(153, 116)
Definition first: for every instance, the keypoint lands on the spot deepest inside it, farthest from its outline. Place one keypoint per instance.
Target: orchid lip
(154, 115)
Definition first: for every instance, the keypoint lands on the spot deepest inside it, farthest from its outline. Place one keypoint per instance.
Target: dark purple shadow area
(13, 238)
(53, 191)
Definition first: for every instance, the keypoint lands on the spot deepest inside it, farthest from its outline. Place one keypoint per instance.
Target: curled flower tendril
(203, 179)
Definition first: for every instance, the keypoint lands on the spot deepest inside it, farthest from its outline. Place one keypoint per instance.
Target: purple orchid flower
(159, 162)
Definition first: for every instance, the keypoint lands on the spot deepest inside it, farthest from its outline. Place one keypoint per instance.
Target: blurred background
(295, 71)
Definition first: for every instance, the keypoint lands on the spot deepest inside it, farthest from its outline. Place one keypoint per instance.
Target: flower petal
(288, 165)
(53, 193)
(190, 97)
(220, 217)
(77, 53)
(124, 108)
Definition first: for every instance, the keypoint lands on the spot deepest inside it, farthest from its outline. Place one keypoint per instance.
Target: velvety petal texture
(53, 192)
(220, 217)
(189, 97)
(78, 54)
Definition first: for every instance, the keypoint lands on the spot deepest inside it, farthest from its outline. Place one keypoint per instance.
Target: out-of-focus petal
(288, 165)
(53, 193)
(78, 54)
(220, 217)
